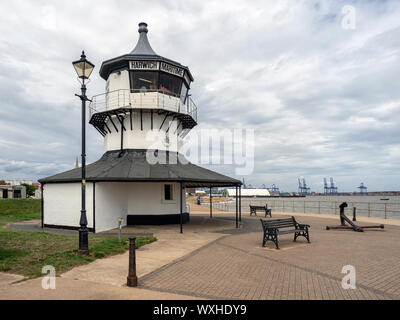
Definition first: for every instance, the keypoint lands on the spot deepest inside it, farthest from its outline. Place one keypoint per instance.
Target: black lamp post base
(83, 242)
(132, 281)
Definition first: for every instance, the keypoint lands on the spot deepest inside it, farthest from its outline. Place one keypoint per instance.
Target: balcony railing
(139, 99)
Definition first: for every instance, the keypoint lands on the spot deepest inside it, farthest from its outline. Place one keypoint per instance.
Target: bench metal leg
(303, 233)
(271, 237)
(276, 242)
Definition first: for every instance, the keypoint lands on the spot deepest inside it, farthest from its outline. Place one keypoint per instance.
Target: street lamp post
(83, 68)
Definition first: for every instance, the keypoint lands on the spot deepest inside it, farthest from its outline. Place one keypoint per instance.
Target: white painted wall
(118, 80)
(146, 138)
(62, 204)
(148, 198)
(111, 204)
(114, 200)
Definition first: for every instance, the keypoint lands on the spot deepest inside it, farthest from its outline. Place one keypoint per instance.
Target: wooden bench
(254, 209)
(273, 228)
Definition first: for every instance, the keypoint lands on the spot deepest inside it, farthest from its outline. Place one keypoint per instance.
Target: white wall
(146, 138)
(118, 80)
(118, 199)
(62, 204)
(148, 198)
(114, 200)
(111, 204)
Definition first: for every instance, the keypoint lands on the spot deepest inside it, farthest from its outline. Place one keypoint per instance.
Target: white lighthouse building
(143, 115)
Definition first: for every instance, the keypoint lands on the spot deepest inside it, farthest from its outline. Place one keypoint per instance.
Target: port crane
(330, 189)
(303, 189)
(273, 187)
(363, 189)
(326, 188)
(333, 188)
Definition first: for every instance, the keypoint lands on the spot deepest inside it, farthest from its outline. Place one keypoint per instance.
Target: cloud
(323, 101)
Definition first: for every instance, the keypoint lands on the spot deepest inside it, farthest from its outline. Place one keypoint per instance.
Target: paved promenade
(237, 267)
(212, 260)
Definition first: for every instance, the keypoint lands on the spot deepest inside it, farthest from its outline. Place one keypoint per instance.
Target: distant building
(190, 190)
(16, 182)
(38, 190)
(12, 192)
(249, 192)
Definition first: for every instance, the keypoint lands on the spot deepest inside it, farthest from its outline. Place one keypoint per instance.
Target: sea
(367, 206)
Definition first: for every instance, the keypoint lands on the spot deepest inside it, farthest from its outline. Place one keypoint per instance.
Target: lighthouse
(143, 115)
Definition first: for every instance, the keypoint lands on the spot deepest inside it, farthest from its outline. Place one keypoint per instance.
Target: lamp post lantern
(83, 68)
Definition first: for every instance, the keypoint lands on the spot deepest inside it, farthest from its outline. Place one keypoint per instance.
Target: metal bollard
(132, 278)
(120, 220)
(354, 214)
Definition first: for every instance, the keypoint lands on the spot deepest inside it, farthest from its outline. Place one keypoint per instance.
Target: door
(17, 194)
(5, 193)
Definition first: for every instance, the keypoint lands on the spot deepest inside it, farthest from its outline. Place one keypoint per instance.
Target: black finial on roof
(143, 27)
(143, 46)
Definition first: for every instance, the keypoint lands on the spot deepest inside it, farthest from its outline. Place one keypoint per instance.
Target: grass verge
(25, 253)
(14, 210)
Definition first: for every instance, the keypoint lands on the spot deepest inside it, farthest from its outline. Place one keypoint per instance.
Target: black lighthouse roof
(143, 47)
(133, 166)
(142, 51)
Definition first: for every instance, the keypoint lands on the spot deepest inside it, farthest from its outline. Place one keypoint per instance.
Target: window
(144, 80)
(170, 84)
(17, 194)
(184, 92)
(168, 192)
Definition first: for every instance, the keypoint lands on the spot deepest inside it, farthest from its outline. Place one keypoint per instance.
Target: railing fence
(367, 209)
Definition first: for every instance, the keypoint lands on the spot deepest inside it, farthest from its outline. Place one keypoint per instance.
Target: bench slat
(287, 231)
(282, 224)
(279, 220)
(279, 223)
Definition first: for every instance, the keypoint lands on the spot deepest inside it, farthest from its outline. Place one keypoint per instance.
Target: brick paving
(237, 267)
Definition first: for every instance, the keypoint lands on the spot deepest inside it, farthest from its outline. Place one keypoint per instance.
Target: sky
(317, 81)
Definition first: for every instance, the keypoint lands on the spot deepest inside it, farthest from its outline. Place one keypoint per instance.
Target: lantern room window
(153, 80)
(144, 80)
(184, 92)
(170, 84)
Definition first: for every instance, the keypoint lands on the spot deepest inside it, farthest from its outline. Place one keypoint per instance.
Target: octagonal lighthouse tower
(143, 115)
(146, 104)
